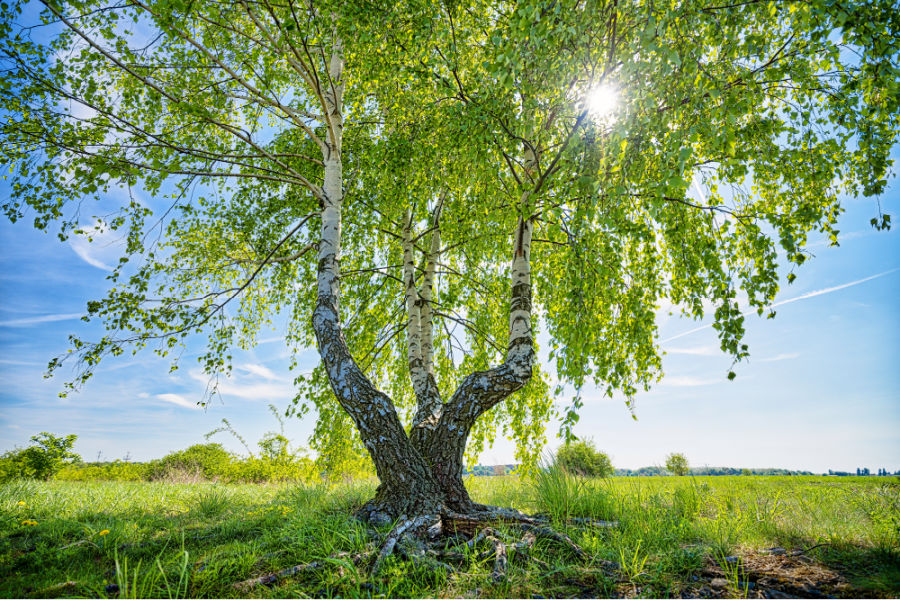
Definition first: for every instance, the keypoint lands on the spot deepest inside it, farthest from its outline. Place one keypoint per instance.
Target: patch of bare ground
(774, 573)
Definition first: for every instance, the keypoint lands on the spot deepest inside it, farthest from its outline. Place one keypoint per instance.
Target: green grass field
(673, 536)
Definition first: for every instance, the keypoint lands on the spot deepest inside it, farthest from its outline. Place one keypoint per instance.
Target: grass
(673, 536)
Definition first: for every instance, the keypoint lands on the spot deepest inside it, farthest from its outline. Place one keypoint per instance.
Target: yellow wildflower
(20, 503)
(29, 522)
(104, 532)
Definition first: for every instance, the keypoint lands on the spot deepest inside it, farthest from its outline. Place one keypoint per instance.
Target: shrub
(263, 470)
(582, 458)
(677, 463)
(200, 461)
(46, 455)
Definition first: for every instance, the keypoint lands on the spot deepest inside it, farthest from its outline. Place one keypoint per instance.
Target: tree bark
(420, 473)
(445, 445)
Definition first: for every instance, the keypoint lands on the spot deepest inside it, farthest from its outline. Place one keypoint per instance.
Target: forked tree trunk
(420, 473)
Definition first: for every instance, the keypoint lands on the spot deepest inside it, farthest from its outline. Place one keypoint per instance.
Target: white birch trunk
(406, 483)
(414, 351)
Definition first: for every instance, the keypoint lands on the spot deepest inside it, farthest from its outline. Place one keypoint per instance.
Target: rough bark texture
(407, 486)
(420, 474)
(445, 444)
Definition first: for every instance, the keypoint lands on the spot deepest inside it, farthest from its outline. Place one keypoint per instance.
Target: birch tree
(420, 189)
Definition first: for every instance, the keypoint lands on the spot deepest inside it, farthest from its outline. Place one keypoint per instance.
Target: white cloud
(42, 319)
(104, 246)
(271, 392)
(835, 288)
(83, 251)
(259, 371)
(143, 395)
(179, 400)
(786, 356)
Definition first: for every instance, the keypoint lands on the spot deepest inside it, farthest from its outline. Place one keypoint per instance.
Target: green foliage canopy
(738, 128)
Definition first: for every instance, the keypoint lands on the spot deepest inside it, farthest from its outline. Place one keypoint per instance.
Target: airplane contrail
(797, 299)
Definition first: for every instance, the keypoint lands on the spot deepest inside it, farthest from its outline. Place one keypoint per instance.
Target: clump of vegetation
(581, 457)
(677, 463)
(117, 470)
(197, 462)
(43, 459)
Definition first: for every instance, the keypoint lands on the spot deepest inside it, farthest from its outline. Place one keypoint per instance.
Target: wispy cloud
(259, 371)
(179, 400)
(83, 250)
(787, 356)
(97, 244)
(28, 321)
(271, 391)
(710, 350)
(806, 296)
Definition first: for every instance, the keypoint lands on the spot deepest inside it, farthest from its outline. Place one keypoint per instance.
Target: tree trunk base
(447, 540)
(389, 506)
(435, 538)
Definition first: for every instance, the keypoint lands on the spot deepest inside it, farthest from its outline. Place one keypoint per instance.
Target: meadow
(740, 536)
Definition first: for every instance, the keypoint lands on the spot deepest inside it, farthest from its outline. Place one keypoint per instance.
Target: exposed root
(469, 523)
(550, 534)
(396, 533)
(500, 559)
(593, 522)
(272, 578)
(435, 540)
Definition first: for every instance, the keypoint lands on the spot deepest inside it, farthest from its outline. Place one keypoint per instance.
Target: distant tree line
(658, 470)
(863, 472)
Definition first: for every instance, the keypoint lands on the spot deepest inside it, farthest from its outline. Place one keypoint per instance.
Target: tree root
(396, 533)
(437, 539)
(272, 578)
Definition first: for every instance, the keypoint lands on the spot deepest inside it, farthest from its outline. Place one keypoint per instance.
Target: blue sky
(821, 389)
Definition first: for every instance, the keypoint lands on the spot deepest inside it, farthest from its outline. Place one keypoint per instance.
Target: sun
(602, 101)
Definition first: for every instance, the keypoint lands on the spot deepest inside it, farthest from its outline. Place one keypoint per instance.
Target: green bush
(582, 458)
(200, 461)
(46, 456)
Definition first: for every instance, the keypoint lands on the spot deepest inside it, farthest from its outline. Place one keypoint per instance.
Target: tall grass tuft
(557, 491)
(563, 495)
(211, 503)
